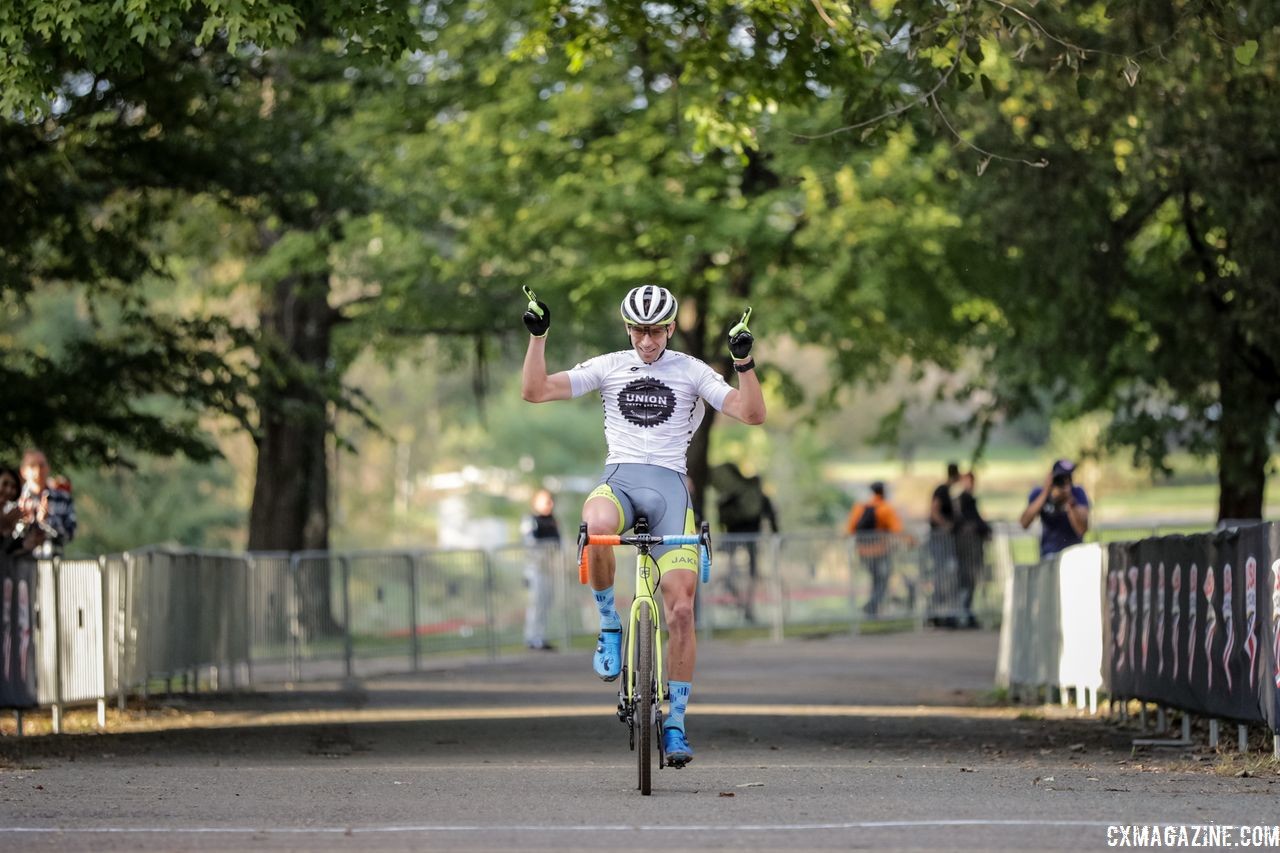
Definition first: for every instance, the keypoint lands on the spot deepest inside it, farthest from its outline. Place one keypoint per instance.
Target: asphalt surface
(866, 742)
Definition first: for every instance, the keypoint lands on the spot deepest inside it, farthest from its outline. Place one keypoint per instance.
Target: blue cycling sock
(608, 609)
(679, 702)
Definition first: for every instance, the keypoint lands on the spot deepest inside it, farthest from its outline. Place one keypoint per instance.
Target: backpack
(866, 521)
(743, 506)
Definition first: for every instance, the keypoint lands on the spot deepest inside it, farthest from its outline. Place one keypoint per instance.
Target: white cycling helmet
(649, 305)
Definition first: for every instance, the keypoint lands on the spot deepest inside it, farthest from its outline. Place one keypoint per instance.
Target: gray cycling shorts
(660, 495)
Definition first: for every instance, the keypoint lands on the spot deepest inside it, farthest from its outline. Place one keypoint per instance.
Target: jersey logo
(646, 402)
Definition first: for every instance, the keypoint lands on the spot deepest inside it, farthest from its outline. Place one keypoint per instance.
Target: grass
(1118, 491)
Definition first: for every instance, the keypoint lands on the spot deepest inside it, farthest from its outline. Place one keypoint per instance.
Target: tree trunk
(1244, 433)
(695, 339)
(290, 509)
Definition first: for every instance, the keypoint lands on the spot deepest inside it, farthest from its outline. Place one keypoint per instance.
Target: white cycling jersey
(650, 410)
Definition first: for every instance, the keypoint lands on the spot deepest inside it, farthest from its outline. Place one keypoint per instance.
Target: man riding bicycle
(653, 403)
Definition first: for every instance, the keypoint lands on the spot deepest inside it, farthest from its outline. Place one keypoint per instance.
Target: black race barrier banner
(1193, 622)
(17, 638)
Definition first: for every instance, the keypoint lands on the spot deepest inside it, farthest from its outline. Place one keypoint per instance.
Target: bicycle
(639, 697)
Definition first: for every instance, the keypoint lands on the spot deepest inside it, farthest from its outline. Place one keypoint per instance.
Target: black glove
(740, 338)
(537, 317)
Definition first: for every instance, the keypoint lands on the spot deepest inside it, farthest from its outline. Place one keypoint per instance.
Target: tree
(584, 183)
(114, 116)
(1137, 273)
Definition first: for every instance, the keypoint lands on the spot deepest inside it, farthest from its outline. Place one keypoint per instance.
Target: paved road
(832, 744)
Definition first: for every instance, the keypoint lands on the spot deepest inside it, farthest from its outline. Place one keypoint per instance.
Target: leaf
(1246, 52)
(973, 48)
(988, 90)
(1084, 85)
(982, 166)
(963, 81)
(1130, 72)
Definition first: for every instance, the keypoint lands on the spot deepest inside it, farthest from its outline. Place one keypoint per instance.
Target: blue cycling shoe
(607, 661)
(676, 747)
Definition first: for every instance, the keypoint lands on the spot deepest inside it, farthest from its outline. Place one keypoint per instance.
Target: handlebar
(645, 540)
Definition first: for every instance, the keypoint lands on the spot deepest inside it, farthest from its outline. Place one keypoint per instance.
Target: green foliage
(1136, 275)
(162, 501)
(44, 43)
(89, 389)
(833, 166)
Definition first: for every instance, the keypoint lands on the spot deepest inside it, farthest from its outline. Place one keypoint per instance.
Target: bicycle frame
(646, 585)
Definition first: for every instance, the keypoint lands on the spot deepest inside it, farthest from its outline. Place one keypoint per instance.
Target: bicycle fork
(646, 584)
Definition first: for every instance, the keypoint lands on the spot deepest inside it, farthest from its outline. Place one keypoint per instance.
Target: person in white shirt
(654, 400)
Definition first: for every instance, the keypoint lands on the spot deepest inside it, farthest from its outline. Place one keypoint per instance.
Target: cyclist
(653, 403)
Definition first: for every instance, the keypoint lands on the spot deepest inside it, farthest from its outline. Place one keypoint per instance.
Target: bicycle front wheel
(645, 698)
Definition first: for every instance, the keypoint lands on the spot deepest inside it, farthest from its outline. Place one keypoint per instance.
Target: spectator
(1063, 509)
(542, 535)
(942, 512)
(942, 546)
(972, 532)
(874, 523)
(10, 488)
(48, 520)
(743, 508)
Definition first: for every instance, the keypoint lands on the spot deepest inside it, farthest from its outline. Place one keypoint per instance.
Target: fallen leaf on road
(1245, 774)
(1076, 747)
(751, 785)
(728, 794)
(967, 770)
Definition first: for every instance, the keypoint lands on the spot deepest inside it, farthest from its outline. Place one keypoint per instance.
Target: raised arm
(1077, 514)
(1036, 504)
(535, 385)
(746, 402)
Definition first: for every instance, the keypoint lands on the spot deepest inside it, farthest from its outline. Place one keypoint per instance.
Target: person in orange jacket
(874, 524)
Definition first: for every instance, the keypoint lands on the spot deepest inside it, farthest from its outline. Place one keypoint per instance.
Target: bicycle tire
(645, 699)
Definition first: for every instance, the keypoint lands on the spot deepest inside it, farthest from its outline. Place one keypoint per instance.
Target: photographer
(1063, 509)
(48, 515)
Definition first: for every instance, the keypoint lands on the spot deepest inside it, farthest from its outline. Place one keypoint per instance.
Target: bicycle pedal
(678, 765)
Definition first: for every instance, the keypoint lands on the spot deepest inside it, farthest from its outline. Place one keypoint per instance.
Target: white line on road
(366, 830)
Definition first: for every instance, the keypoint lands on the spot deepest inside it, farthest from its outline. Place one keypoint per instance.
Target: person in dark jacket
(972, 533)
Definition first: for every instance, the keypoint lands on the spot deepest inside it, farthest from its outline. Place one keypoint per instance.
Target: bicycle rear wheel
(645, 698)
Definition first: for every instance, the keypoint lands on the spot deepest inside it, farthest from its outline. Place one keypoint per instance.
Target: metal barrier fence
(165, 620)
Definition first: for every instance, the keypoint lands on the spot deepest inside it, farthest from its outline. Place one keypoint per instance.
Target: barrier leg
(1275, 745)
(1080, 698)
(17, 718)
(1142, 716)
(1185, 740)
(1242, 738)
(1162, 722)
(1213, 734)
(102, 713)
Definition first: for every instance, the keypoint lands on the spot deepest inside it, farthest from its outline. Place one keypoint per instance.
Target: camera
(1062, 480)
